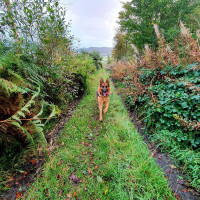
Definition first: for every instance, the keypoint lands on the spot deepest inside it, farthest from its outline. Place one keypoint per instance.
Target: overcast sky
(93, 21)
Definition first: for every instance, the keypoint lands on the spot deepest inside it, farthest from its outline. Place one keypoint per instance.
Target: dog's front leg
(107, 105)
(100, 111)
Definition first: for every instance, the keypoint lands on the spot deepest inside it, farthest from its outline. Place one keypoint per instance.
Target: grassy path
(109, 158)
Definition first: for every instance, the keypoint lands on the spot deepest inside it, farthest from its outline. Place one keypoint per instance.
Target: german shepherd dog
(103, 96)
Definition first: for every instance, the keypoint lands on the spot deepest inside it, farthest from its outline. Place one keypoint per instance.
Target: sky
(94, 22)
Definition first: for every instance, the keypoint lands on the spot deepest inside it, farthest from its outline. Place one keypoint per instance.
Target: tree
(118, 51)
(122, 47)
(109, 61)
(40, 26)
(10, 20)
(96, 59)
(138, 17)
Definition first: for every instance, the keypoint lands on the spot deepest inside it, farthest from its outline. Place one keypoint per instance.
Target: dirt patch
(20, 180)
(179, 187)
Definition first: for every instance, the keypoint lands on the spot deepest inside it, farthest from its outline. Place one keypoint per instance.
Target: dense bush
(164, 87)
(39, 74)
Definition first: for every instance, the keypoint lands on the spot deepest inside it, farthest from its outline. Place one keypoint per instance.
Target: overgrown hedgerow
(40, 74)
(164, 87)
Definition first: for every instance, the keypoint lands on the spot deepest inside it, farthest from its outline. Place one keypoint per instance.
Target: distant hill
(104, 51)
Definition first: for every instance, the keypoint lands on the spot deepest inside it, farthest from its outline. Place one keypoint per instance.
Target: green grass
(125, 170)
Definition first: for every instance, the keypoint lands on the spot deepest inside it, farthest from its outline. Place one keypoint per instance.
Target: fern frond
(16, 78)
(29, 137)
(41, 110)
(7, 87)
(38, 135)
(53, 112)
(22, 112)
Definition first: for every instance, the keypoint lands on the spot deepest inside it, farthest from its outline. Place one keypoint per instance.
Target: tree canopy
(138, 17)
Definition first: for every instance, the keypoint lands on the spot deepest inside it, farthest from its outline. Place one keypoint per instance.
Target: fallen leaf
(96, 167)
(8, 185)
(74, 194)
(58, 177)
(28, 184)
(18, 195)
(25, 173)
(33, 162)
(74, 178)
(149, 146)
(177, 196)
(106, 190)
(146, 172)
(90, 171)
(159, 157)
(47, 192)
(16, 182)
(173, 166)
(184, 190)
(60, 193)
(11, 178)
(92, 161)
(154, 155)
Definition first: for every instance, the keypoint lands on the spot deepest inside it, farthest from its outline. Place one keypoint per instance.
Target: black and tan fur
(103, 97)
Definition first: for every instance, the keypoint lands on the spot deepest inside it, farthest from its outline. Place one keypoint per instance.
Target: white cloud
(93, 21)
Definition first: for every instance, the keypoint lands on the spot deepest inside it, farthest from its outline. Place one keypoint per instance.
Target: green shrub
(170, 108)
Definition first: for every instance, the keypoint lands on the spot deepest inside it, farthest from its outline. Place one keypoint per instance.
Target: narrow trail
(100, 160)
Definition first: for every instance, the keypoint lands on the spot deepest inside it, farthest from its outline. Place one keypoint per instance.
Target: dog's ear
(108, 82)
(101, 81)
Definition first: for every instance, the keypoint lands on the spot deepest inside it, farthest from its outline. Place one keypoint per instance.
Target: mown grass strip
(109, 157)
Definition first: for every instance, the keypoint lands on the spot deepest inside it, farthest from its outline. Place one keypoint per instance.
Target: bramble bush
(164, 87)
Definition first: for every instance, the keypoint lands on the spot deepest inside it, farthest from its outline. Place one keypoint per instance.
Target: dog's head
(104, 87)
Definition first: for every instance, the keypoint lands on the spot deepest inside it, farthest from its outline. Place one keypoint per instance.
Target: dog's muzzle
(104, 92)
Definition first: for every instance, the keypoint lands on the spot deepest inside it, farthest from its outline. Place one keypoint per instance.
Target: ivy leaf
(184, 105)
